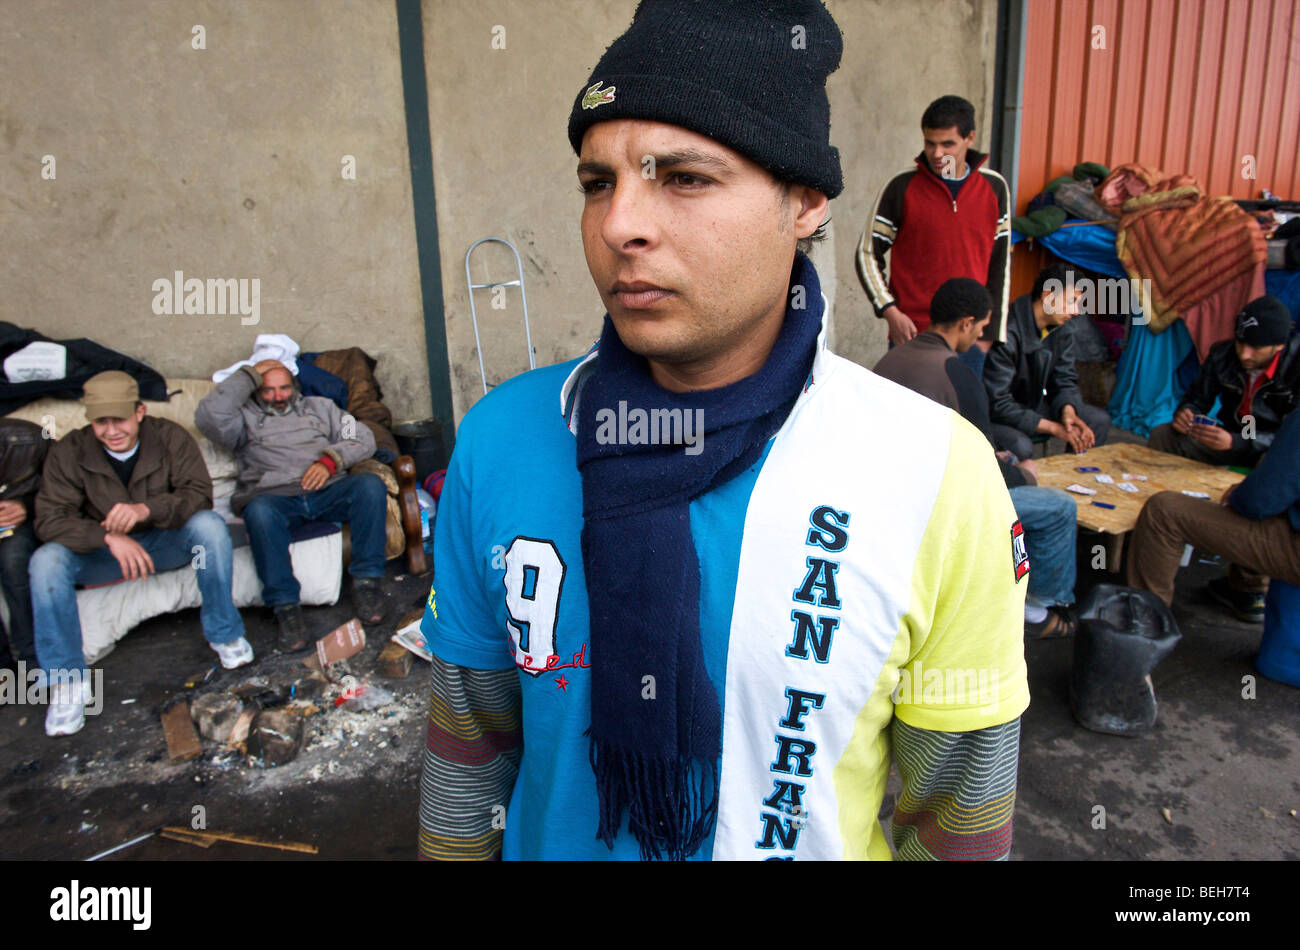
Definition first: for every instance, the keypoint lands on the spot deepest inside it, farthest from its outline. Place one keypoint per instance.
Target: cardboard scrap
(340, 643)
(178, 728)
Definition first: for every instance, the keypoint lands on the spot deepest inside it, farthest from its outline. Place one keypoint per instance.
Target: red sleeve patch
(1019, 554)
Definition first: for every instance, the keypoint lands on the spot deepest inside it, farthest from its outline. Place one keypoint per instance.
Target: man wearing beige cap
(123, 497)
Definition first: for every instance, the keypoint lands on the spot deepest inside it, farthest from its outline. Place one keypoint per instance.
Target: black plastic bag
(1123, 635)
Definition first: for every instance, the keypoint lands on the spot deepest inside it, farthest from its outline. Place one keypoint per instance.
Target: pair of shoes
(1059, 623)
(368, 599)
(67, 712)
(234, 654)
(293, 629)
(1245, 606)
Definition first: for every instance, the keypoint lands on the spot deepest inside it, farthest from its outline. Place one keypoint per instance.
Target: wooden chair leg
(1115, 552)
(416, 561)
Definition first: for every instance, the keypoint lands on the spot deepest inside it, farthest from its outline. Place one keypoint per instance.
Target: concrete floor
(352, 791)
(1226, 768)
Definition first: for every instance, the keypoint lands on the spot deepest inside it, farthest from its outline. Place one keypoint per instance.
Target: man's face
(1061, 305)
(945, 150)
(690, 245)
(971, 330)
(277, 389)
(118, 435)
(1256, 357)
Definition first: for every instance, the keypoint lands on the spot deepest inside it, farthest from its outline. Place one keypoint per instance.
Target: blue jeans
(55, 571)
(1048, 516)
(360, 500)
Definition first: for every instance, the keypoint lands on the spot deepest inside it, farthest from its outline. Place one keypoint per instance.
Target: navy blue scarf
(656, 724)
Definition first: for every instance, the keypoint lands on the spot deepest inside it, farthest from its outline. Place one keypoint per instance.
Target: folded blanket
(1204, 256)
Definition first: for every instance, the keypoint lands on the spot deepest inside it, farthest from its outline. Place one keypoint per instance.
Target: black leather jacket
(22, 453)
(1221, 375)
(1028, 378)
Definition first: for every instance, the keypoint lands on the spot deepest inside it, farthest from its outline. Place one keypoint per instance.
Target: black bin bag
(1123, 635)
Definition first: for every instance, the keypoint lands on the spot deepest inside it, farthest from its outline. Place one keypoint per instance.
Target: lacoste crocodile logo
(595, 96)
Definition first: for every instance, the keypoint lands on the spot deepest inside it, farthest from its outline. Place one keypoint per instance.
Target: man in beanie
(122, 498)
(1255, 377)
(683, 609)
(947, 217)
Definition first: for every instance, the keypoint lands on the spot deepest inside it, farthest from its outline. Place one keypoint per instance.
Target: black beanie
(1265, 321)
(750, 74)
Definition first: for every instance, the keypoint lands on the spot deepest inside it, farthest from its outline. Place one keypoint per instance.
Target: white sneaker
(234, 654)
(67, 712)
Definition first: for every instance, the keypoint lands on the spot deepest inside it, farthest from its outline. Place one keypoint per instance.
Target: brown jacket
(79, 485)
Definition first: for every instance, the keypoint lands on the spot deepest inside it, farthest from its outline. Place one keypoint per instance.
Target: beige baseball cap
(111, 394)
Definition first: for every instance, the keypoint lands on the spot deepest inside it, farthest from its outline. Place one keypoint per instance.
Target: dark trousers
(1013, 440)
(19, 642)
(360, 500)
(1166, 439)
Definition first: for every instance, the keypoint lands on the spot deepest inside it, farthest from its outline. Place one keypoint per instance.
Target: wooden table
(1164, 472)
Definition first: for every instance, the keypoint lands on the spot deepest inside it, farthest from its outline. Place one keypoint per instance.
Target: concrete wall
(222, 162)
(225, 163)
(898, 58)
(503, 166)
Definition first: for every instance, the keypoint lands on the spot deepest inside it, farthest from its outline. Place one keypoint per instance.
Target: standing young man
(683, 607)
(948, 217)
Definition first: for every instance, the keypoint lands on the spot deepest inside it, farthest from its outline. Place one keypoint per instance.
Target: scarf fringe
(670, 815)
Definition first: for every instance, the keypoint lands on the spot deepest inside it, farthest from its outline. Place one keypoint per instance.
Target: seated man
(1031, 380)
(1257, 526)
(1255, 377)
(22, 454)
(294, 453)
(123, 497)
(930, 364)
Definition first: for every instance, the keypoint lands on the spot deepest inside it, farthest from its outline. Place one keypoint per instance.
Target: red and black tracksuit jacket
(932, 236)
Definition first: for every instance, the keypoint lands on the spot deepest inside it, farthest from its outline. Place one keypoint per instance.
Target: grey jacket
(274, 451)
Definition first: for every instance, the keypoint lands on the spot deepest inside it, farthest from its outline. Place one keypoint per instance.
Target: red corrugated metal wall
(1189, 86)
